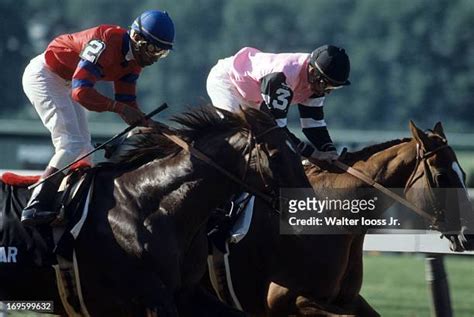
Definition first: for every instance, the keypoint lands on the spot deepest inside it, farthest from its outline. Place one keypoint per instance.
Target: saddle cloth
(36, 246)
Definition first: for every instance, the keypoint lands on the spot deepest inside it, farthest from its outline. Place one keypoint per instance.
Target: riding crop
(101, 146)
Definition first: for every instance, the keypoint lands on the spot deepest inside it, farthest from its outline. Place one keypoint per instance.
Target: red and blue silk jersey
(100, 53)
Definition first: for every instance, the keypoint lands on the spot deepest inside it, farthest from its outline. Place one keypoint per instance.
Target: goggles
(327, 86)
(153, 50)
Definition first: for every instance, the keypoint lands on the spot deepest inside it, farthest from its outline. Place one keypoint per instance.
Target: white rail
(416, 243)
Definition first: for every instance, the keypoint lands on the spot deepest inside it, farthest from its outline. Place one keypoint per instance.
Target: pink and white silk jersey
(254, 78)
(245, 71)
(250, 65)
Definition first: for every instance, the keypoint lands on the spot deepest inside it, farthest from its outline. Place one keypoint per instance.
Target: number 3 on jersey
(92, 51)
(281, 101)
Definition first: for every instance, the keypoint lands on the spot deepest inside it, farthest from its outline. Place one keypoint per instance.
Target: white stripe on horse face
(458, 171)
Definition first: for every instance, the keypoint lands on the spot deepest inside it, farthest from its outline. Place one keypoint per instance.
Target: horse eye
(442, 180)
(272, 154)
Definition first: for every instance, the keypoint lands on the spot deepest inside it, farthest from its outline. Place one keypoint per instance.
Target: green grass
(395, 285)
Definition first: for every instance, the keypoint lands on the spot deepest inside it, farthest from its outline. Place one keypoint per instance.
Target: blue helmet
(156, 27)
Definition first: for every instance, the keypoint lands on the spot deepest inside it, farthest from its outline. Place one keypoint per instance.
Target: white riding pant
(222, 90)
(65, 119)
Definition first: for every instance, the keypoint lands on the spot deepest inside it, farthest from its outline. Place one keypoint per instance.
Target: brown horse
(312, 275)
(143, 247)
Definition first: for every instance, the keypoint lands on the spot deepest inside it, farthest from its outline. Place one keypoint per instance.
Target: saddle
(53, 245)
(69, 202)
(48, 245)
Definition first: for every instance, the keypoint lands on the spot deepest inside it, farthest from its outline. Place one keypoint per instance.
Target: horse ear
(438, 129)
(419, 136)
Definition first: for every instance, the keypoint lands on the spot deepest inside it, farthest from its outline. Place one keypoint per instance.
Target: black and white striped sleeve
(313, 124)
(277, 96)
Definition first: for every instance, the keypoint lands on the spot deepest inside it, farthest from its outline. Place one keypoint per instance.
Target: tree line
(410, 59)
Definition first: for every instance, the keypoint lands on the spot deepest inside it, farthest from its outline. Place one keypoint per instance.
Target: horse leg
(349, 296)
(280, 301)
(30, 283)
(364, 309)
(199, 302)
(309, 307)
(159, 301)
(193, 299)
(109, 289)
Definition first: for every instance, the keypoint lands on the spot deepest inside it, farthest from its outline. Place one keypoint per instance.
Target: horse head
(437, 185)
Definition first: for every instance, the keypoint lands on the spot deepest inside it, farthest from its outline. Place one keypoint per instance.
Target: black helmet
(333, 63)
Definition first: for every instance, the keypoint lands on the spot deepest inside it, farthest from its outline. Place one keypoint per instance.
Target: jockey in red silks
(60, 85)
(272, 82)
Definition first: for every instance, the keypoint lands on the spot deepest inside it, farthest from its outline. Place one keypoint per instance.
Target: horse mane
(352, 157)
(193, 124)
(203, 120)
(364, 153)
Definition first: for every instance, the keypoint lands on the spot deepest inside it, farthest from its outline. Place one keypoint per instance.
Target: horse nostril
(466, 240)
(454, 243)
(441, 180)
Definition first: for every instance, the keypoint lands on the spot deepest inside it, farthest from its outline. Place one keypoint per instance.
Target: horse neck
(391, 167)
(186, 187)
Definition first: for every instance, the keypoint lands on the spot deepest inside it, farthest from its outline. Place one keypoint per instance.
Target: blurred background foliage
(411, 59)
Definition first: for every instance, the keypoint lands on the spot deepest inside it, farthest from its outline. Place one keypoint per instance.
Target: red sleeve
(125, 89)
(83, 90)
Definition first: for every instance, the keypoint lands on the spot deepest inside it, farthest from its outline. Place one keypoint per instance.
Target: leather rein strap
(203, 157)
(366, 179)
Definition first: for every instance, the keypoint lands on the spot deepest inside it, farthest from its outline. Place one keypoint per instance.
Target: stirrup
(33, 217)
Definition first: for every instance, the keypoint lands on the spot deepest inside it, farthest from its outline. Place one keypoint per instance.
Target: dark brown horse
(310, 275)
(143, 247)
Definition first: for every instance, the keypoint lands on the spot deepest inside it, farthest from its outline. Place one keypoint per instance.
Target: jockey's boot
(40, 209)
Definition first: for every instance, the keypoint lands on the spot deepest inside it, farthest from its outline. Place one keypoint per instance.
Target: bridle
(436, 221)
(252, 143)
(422, 157)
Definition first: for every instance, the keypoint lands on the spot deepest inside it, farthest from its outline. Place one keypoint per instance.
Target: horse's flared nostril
(455, 245)
(466, 239)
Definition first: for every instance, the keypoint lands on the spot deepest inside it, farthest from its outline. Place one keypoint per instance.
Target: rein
(206, 159)
(421, 157)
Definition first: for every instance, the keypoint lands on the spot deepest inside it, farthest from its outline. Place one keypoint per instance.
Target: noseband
(436, 221)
